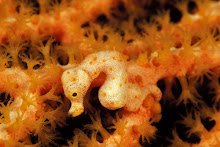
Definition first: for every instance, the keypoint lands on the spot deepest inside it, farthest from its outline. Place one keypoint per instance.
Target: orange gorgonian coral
(109, 73)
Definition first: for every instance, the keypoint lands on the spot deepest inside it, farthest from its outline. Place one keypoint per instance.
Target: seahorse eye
(74, 94)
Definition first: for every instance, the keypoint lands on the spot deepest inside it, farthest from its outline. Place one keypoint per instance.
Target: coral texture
(109, 73)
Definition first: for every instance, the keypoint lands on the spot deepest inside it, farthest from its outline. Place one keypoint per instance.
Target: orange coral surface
(109, 73)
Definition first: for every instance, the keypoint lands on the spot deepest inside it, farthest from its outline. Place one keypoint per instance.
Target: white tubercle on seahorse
(116, 92)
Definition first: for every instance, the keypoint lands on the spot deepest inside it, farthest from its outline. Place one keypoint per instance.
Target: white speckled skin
(77, 81)
(138, 94)
(112, 93)
(115, 93)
